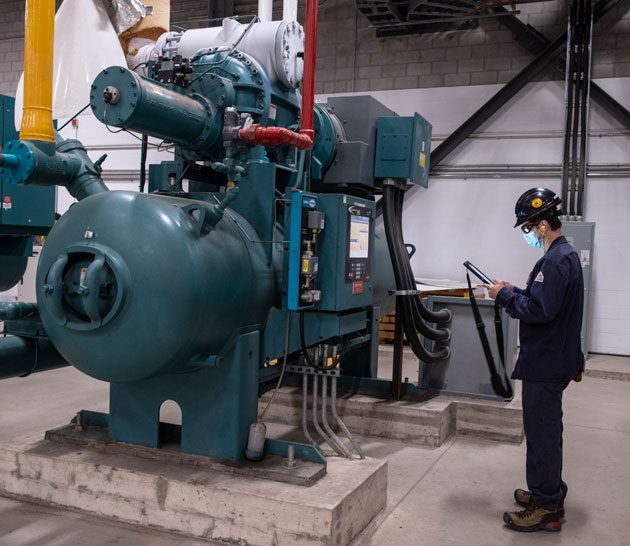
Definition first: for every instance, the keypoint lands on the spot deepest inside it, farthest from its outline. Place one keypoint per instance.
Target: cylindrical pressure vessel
(131, 285)
(12, 269)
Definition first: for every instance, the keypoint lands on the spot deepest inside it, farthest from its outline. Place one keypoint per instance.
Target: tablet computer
(478, 273)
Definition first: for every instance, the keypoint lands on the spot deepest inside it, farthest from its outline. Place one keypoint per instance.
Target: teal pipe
(22, 356)
(63, 163)
(300, 170)
(16, 310)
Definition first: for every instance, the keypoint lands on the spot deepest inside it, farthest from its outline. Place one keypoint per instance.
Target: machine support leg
(397, 386)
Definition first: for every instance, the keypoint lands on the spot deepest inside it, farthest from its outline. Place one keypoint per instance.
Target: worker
(550, 314)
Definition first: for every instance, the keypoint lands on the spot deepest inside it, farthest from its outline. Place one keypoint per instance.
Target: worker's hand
(494, 289)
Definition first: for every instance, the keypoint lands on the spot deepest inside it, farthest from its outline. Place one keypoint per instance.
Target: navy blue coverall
(550, 311)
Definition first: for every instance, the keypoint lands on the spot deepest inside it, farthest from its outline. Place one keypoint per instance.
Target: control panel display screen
(360, 234)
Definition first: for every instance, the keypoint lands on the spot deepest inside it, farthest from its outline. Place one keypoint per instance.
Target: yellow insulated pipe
(39, 39)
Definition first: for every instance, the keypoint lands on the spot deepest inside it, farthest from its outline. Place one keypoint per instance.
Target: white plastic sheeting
(85, 44)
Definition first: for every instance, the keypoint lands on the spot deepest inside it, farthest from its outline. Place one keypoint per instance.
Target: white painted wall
(454, 220)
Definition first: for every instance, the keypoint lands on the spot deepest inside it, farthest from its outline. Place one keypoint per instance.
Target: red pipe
(308, 81)
(275, 136)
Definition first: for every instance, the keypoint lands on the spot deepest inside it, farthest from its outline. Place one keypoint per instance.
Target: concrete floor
(452, 495)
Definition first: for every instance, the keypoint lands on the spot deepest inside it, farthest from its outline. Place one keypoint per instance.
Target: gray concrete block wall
(11, 45)
(351, 58)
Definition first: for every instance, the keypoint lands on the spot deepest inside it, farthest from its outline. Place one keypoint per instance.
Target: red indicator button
(357, 287)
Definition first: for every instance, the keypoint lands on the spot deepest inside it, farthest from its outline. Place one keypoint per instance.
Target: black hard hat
(536, 204)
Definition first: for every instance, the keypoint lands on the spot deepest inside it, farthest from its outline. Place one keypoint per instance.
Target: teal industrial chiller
(256, 253)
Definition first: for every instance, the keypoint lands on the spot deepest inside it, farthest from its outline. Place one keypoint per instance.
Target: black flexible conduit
(419, 311)
(143, 162)
(576, 72)
(439, 317)
(574, 162)
(586, 94)
(414, 314)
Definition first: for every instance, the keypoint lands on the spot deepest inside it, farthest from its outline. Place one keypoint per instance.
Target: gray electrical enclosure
(581, 236)
(466, 371)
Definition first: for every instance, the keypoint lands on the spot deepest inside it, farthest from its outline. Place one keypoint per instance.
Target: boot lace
(527, 512)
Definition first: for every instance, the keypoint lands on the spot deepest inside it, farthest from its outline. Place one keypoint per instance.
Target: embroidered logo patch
(540, 277)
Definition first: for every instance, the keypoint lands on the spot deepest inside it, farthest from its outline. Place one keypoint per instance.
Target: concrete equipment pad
(197, 501)
(272, 467)
(422, 422)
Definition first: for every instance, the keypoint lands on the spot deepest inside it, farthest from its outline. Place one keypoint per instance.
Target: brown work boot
(533, 518)
(522, 497)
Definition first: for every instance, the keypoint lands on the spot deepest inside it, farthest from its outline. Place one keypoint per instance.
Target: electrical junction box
(403, 147)
(345, 250)
(25, 210)
(580, 235)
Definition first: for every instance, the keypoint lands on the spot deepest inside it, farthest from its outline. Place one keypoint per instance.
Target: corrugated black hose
(410, 312)
(443, 316)
(442, 335)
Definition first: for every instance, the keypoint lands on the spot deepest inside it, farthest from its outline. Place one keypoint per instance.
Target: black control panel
(358, 250)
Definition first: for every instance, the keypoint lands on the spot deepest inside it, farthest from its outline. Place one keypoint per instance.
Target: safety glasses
(526, 228)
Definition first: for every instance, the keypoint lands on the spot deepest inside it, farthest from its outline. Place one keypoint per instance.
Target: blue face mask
(532, 240)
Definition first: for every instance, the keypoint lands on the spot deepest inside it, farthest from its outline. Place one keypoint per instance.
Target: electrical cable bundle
(415, 316)
(577, 99)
